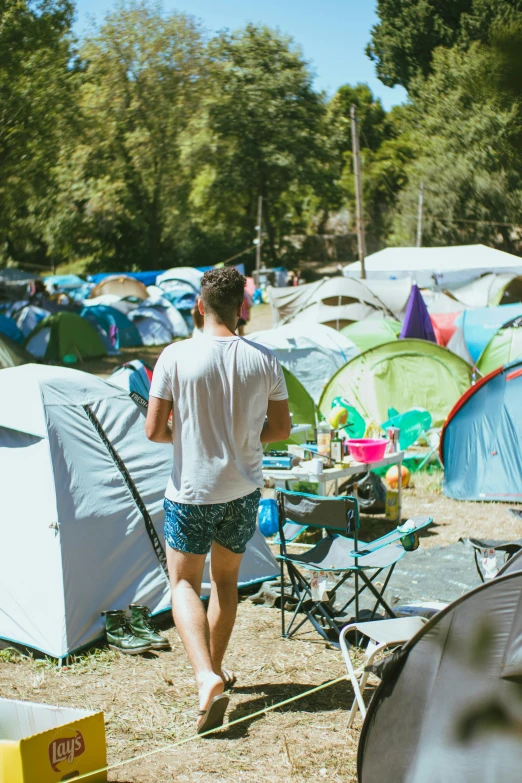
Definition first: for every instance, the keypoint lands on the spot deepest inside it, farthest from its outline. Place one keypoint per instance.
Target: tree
(36, 107)
(123, 189)
(409, 31)
(262, 133)
(468, 156)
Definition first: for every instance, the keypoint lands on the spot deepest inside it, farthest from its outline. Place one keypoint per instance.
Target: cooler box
(44, 744)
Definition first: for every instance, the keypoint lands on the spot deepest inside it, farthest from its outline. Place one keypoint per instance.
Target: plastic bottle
(490, 563)
(323, 438)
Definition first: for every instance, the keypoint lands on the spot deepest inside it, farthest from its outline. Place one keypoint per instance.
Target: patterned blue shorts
(192, 529)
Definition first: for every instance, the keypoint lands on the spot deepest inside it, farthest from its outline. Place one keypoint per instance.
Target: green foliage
(36, 106)
(409, 31)
(261, 133)
(468, 156)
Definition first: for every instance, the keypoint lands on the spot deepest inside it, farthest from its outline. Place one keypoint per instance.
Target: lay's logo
(65, 749)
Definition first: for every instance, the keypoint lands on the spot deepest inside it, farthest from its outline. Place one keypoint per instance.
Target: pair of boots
(133, 635)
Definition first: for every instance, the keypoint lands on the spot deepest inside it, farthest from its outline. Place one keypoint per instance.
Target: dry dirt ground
(149, 702)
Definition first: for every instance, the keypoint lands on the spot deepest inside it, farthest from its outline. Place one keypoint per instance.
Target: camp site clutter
(416, 367)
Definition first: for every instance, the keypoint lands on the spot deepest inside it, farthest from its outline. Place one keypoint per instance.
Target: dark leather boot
(141, 625)
(120, 635)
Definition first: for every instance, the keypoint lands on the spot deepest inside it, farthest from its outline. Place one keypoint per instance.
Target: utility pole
(419, 214)
(257, 241)
(359, 215)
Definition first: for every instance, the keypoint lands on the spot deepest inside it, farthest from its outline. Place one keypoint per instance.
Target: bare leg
(224, 569)
(185, 572)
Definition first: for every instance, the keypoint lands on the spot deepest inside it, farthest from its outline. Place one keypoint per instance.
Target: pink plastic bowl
(367, 449)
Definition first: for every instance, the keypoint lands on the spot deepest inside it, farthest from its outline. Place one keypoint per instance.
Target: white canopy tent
(81, 509)
(446, 267)
(311, 351)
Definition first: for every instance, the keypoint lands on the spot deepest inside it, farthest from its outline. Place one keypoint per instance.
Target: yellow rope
(150, 753)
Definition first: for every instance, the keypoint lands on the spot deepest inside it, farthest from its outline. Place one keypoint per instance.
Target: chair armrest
(392, 537)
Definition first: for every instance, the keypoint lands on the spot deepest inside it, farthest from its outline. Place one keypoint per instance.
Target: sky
(332, 33)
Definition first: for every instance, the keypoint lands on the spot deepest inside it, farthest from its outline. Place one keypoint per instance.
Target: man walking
(227, 397)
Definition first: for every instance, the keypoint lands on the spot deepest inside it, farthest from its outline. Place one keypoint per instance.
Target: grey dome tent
(94, 539)
(449, 707)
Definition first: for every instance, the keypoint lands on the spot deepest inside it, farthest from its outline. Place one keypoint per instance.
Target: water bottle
(490, 563)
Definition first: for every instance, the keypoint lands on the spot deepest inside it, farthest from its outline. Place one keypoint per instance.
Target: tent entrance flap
(149, 526)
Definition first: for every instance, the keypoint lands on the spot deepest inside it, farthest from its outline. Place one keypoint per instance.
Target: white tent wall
(95, 505)
(32, 608)
(446, 267)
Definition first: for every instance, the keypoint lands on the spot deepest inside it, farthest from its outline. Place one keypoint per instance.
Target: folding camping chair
(382, 635)
(338, 555)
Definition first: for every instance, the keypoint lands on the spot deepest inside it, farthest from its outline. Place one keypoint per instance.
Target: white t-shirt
(220, 387)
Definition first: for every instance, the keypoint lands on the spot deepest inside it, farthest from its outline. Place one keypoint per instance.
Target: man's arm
(157, 425)
(278, 424)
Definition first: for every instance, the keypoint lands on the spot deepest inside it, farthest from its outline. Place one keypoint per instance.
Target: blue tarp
(64, 282)
(147, 278)
(105, 316)
(481, 442)
(10, 329)
(482, 324)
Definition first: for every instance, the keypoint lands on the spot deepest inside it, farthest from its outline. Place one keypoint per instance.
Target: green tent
(302, 408)
(402, 374)
(65, 337)
(371, 332)
(12, 354)
(504, 347)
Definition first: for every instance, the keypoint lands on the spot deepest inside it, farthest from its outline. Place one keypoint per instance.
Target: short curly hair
(222, 291)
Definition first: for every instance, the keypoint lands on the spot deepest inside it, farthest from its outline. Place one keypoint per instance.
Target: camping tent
(481, 324)
(133, 376)
(480, 443)
(503, 348)
(312, 352)
(183, 279)
(28, 317)
(107, 317)
(490, 290)
(417, 323)
(167, 309)
(119, 285)
(372, 332)
(8, 326)
(12, 354)
(447, 267)
(65, 337)
(403, 374)
(335, 302)
(302, 407)
(97, 540)
(155, 327)
(448, 707)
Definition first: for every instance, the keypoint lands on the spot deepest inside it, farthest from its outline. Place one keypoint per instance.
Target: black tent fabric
(449, 708)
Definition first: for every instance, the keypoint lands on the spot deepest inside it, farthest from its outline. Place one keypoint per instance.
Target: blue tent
(9, 327)
(482, 324)
(481, 439)
(105, 316)
(133, 376)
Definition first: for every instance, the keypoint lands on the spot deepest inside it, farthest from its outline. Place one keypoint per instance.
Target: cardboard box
(44, 744)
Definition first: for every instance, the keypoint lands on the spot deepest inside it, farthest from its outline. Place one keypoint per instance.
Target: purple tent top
(417, 321)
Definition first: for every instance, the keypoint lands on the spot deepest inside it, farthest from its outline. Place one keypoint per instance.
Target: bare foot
(209, 686)
(228, 677)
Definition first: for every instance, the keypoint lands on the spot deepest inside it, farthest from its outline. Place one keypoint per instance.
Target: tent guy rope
(192, 737)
